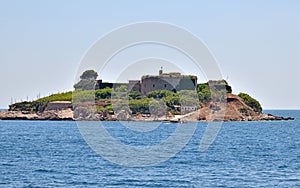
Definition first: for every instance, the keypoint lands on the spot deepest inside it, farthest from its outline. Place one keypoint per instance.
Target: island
(171, 97)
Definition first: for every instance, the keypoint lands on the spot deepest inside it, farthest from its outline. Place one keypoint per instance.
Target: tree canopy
(253, 103)
(88, 80)
(89, 75)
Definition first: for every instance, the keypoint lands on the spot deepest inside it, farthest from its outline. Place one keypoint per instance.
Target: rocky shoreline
(60, 115)
(67, 115)
(233, 109)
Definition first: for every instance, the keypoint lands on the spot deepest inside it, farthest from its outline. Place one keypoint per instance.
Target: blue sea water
(244, 154)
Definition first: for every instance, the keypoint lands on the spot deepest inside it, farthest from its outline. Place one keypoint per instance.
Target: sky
(255, 43)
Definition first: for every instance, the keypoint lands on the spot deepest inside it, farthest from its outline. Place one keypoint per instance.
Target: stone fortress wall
(173, 81)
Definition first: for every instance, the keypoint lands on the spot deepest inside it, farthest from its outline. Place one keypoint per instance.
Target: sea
(243, 154)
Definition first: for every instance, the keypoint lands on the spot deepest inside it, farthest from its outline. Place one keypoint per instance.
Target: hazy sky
(256, 43)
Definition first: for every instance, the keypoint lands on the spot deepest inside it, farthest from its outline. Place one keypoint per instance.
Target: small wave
(7, 164)
(46, 171)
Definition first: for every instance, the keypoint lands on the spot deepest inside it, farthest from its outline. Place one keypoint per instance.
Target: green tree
(253, 103)
(159, 94)
(188, 93)
(134, 95)
(157, 108)
(139, 105)
(172, 100)
(88, 80)
(122, 88)
(188, 98)
(85, 85)
(105, 93)
(89, 75)
(204, 92)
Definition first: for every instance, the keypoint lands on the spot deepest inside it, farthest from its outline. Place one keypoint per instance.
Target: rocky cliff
(234, 109)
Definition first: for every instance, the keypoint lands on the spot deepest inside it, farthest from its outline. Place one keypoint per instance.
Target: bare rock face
(46, 115)
(80, 113)
(234, 109)
(123, 115)
(66, 114)
(18, 115)
(270, 117)
(86, 114)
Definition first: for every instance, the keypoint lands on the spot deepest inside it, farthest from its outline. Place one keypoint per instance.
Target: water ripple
(244, 154)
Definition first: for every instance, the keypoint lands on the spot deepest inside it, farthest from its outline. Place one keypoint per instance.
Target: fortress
(173, 81)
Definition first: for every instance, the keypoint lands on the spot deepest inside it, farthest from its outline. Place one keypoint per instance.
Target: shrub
(134, 95)
(159, 94)
(122, 88)
(171, 101)
(139, 105)
(83, 96)
(204, 92)
(105, 93)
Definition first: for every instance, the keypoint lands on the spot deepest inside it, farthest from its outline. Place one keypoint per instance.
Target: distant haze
(256, 44)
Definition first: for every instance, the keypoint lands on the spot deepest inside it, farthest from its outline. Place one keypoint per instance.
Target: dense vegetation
(66, 96)
(253, 103)
(40, 104)
(213, 90)
(133, 100)
(119, 99)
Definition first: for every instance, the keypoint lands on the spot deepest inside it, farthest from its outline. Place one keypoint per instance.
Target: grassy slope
(67, 96)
